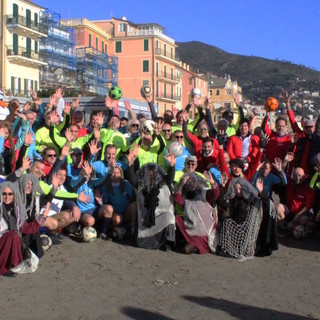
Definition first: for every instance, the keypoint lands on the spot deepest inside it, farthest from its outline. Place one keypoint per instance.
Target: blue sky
(282, 29)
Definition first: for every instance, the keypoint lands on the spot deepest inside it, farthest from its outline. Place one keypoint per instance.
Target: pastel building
(146, 57)
(192, 80)
(221, 92)
(21, 31)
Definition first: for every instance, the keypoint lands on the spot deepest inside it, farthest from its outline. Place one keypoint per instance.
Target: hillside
(258, 77)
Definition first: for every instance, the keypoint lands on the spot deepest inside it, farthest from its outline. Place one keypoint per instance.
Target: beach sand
(107, 280)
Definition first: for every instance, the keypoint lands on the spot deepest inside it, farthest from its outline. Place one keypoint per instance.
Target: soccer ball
(299, 232)
(175, 148)
(271, 104)
(195, 91)
(46, 242)
(115, 93)
(146, 91)
(89, 234)
(148, 126)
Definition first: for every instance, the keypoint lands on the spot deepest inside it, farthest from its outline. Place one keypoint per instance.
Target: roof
(218, 82)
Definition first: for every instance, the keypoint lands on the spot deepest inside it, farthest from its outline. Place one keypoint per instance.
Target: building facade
(97, 68)
(20, 35)
(221, 92)
(146, 57)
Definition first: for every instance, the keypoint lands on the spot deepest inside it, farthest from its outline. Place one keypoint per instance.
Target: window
(146, 44)
(217, 118)
(28, 47)
(15, 43)
(102, 46)
(89, 40)
(165, 107)
(217, 92)
(145, 82)
(157, 69)
(171, 53)
(106, 48)
(211, 92)
(157, 44)
(171, 91)
(165, 90)
(228, 92)
(97, 43)
(227, 105)
(15, 10)
(35, 17)
(28, 18)
(171, 73)
(145, 67)
(190, 80)
(121, 27)
(165, 71)
(36, 47)
(164, 49)
(157, 89)
(118, 46)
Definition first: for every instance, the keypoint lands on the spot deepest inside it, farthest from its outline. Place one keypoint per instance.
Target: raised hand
(52, 101)
(59, 94)
(20, 114)
(93, 145)
(26, 164)
(185, 116)
(65, 151)
(133, 154)
(209, 177)
(236, 98)
(264, 138)
(87, 168)
(221, 137)
(100, 118)
(277, 164)
(67, 108)
(26, 107)
(68, 135)
(289, 157)
(28, 139)
(110, 103)
(285, 96)
(260, 165)
(206, 102)
(195, 100)
(171, 159)
(55, 181)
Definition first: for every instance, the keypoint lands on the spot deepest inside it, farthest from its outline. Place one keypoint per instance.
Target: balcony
(170, 78)
(24, 57)
(24, 27)
(152, 33)
(168, 97)
(166, 56)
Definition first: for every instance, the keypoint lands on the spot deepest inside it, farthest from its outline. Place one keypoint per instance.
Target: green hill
(259, 77)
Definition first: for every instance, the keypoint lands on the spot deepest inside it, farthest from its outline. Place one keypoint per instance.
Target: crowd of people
(168, 182)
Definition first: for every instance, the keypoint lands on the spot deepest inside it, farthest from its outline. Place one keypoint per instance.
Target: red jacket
(234, 147)
(204, 162)
(197, 143)
(299, 196)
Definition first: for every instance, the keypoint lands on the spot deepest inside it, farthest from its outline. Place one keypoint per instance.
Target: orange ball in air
(271, 104)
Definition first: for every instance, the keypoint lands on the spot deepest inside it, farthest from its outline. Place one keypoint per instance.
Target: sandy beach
(107, 280)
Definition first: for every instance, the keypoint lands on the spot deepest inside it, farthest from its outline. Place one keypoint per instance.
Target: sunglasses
(166, 130)
(51, 155)
(135, 125)
(10, 194)
(179, 137)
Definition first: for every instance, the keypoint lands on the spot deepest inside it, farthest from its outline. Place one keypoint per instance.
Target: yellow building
(20, 60)
(221, 92)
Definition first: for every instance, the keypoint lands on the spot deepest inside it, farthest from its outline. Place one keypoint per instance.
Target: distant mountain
(258, 77)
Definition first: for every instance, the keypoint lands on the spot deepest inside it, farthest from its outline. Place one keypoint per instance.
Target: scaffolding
(97, 71)
(58, 50)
